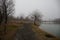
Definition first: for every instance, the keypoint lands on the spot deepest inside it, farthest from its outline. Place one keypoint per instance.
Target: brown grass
(13, 26)
(11, 30)
(41, 35)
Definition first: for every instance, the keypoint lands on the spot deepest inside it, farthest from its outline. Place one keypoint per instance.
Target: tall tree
(7, 8)
(1, 19)
(0, 16)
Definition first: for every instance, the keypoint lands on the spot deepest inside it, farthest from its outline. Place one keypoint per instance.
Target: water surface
(53, 29)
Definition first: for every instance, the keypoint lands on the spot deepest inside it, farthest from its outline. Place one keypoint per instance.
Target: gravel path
(25, 33)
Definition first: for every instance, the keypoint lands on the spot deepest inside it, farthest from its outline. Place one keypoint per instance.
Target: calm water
(51, 28)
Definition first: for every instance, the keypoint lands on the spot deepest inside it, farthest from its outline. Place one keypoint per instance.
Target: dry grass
(11, 30)
(41, 35)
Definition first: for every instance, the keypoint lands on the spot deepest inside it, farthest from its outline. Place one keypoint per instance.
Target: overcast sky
(49, 8)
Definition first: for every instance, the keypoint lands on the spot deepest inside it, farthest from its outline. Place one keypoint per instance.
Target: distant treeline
(57, 20)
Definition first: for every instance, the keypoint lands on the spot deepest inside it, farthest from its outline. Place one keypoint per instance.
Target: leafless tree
(37, 16)
(7, 8)
(0, 17)
(1, 12)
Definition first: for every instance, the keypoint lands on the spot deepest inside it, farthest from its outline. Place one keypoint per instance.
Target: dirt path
(25, 33)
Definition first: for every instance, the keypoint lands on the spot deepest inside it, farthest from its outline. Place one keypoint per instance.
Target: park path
(25, 33)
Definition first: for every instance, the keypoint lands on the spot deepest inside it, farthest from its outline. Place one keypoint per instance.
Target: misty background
(50, 9)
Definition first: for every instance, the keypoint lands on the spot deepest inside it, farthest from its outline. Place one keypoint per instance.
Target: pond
(51, 28)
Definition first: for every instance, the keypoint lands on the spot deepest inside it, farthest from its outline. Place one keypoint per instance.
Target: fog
(50, 9)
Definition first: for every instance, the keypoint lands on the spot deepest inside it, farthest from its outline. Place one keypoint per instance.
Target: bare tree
(37, 17)
(1, 19)
(7, 8)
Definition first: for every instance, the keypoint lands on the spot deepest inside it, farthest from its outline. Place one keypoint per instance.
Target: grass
(42, 35)
(11, 30)
(11, 27)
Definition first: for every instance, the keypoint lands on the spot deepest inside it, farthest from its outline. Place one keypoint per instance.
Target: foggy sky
(50, 9)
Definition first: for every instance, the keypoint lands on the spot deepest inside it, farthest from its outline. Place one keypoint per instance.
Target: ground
(26, 31)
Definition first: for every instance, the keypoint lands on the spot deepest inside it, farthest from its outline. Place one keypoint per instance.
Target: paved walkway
(25, 33)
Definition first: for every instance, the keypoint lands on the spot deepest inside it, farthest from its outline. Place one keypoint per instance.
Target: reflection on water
(51, 28)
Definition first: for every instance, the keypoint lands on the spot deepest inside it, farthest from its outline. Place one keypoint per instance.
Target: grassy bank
(42, 35)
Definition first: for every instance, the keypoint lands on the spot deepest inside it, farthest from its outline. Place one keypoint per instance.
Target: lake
(53, 29)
